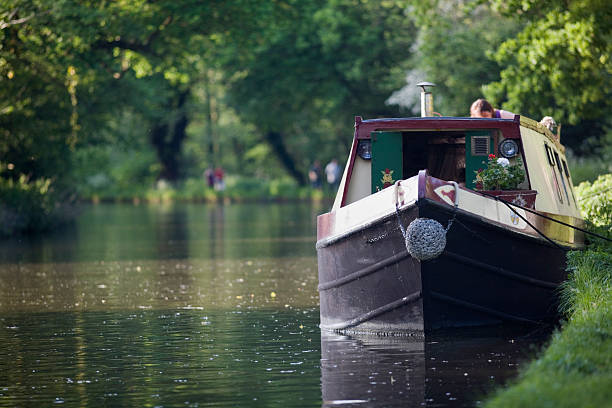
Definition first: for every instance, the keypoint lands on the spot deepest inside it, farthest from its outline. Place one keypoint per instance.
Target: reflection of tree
(172, 232)
(216, 231)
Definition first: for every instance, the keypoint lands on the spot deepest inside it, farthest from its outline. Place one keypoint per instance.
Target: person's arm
(502, 114)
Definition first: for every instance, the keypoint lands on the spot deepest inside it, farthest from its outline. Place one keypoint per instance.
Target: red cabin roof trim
(509, 127)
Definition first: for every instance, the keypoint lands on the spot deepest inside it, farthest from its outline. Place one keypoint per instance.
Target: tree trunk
(167, 138)
(209, 120)
(275, 139)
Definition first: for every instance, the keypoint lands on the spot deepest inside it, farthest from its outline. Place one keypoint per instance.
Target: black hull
(486, 275)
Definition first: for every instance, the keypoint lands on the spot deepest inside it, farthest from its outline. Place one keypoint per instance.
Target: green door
(386, 159)
(478, 146)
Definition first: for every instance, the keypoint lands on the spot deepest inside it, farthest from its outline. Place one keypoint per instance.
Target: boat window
(565, 169)
(549, 155)
(569, 183)
(551, 160)
(562, 176)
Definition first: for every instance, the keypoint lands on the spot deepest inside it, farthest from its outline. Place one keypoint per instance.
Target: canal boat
(414, 241)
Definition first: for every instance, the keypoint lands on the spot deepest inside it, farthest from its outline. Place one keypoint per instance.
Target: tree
(453, 51)
(317, 65)
(559, 64)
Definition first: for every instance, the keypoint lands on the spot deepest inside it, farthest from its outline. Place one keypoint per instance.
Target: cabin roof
(510, 127)
(363, 128)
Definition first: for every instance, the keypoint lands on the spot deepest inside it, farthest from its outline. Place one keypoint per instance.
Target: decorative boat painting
(421, 235)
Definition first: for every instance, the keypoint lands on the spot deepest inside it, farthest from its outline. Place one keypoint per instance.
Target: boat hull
(487, 274)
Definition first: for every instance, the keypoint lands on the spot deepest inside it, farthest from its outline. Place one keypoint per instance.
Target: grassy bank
(237, 189)
(32, 207)
(575, 369)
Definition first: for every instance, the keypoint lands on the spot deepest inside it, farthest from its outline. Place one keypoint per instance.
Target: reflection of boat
(500, 262)
(453, 368)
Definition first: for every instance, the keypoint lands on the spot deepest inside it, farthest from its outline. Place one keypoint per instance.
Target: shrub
(27, 205)
(595, 200)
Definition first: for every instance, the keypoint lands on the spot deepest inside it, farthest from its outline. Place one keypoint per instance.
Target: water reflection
(161, 358)
(159, 284)
(196, 305)
(178, 231)
(450, 368)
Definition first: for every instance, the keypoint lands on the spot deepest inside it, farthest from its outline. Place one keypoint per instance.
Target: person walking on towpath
(332, 173)
(314, 174)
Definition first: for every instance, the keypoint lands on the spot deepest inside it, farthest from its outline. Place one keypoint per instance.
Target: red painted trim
(509, 127)
(325, 225)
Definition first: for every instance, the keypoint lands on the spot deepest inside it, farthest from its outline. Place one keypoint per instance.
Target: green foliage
(102, 172)
(574, 371)
(246, 188)
(560, 64)
(108, 97)
(588, 168)
(500, 174)
(595, 200)
(454, 47)
(313, 68)
(27, 206)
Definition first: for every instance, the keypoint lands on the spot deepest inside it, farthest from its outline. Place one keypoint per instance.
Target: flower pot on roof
(501, 179)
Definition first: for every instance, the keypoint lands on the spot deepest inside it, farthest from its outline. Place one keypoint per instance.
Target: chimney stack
(427, 108)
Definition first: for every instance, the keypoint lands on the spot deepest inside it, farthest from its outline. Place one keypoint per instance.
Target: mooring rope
(509, 204)
(426, 238)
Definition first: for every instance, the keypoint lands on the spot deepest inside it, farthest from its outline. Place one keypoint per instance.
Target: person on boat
(481, 108)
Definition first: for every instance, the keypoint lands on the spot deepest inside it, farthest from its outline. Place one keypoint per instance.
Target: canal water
(205, 305)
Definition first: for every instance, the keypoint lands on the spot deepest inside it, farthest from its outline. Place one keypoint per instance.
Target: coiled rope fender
(424, 238)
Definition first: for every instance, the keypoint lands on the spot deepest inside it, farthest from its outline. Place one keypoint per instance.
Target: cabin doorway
(401, 155)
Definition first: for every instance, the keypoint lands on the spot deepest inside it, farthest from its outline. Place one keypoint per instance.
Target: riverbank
(34, 207)
(575, 369)
(236, 190)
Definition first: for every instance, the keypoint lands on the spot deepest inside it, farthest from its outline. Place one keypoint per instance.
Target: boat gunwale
(328, 241)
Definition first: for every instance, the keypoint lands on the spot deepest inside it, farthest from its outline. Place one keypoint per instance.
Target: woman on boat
(481, 108)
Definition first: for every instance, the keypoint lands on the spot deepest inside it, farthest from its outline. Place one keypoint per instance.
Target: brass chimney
(427, 108)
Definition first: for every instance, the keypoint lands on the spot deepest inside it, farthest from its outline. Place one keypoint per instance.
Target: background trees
(117, 95)
(322, 62)
(559, 64)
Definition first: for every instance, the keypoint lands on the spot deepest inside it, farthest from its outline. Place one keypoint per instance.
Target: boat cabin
(454, 149)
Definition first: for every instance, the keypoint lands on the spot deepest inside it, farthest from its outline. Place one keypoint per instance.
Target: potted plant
(501, 179)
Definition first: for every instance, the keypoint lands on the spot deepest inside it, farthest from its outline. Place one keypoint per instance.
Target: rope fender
(424, 238)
